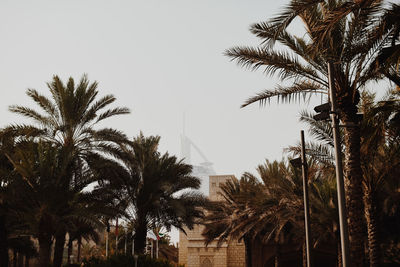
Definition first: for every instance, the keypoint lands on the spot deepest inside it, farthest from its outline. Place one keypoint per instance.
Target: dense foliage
(64, 177)
(361, 40)
(269, 209)
(122, 261)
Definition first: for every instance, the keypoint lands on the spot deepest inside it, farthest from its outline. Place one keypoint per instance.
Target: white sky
(159, 58)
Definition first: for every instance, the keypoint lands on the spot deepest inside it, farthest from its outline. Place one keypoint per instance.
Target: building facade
(192, 250)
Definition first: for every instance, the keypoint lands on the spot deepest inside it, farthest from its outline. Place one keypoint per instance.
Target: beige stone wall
(182, 248)
(215, 183)
(236, 254)
(207, 256)
(194, 253)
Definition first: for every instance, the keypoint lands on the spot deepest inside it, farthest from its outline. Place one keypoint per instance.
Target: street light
(324, 111)
(108, 231)
(302, 162)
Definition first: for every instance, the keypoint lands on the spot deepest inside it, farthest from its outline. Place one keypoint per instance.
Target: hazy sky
(159, 58)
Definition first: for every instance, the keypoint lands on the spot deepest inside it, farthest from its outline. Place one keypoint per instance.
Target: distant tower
(204, 169)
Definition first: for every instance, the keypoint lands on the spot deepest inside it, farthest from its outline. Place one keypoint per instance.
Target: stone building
(194, 253)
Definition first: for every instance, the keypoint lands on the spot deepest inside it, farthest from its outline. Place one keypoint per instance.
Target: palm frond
(321, 130)
(291, 11)
(112, 112)
(287, 94)
(284, 64)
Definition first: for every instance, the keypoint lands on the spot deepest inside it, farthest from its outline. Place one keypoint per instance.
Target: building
(202, 170)
(194, 253)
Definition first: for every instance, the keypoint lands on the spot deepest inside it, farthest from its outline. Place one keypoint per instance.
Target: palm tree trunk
(44, 251)
(20, 259)
(354, 194)
(69, 249)
(59, 249)
(27, 259)
(3, 242)
(371, 216)
(14, 258)
(140, 235)
(79, 249)
(44, 238)
(248, 247)
(277, 256)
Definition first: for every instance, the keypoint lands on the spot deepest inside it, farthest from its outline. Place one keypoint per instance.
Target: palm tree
(348, 42)
(45, 201)
(13, 231)
(83, 230)
(22, 246)
(379, 146)
(41, 168)
(158, 188)
(71, 114)
(68, 120)
(270, 210)
(5, 209)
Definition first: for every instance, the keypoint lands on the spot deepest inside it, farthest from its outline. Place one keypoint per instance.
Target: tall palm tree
(348, 42)
(68, 120)
(158, 189)
(380, 146)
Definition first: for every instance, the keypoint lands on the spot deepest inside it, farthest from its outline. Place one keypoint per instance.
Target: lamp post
(297, 162)
(107, 232)
(126, 237)
(344, 235)
(107, 245)
(133, 242)
(304, 171)
(325, 111)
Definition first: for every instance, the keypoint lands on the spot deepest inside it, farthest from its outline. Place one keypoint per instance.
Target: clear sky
(159, 58)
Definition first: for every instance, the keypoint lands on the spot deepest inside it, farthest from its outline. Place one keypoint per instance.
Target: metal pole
(116, 245)
(306, 203)
(157, 249)
(126, 237)
(344, 235)
(133, 243)
(107, 245)
(151, 248)
(116, 237)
